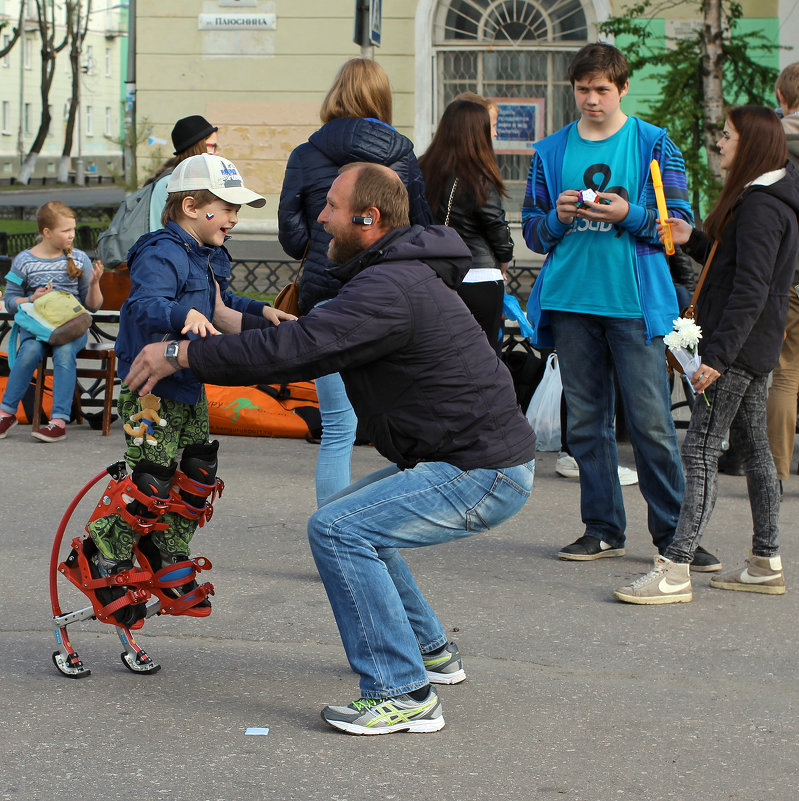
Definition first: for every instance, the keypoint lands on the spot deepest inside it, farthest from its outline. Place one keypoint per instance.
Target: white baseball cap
(215, 174)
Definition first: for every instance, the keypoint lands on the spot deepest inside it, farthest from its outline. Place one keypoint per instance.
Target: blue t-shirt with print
(592, 269)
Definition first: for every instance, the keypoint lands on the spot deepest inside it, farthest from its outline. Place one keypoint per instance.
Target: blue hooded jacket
(543, 230)
(170, 274)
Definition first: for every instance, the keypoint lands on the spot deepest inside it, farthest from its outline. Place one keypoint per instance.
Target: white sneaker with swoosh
(759, 574)
(666, 583)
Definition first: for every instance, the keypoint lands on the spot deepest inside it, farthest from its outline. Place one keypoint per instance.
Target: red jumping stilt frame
(66, 659)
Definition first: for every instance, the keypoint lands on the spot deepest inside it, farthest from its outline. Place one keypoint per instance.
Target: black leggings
(484, 301)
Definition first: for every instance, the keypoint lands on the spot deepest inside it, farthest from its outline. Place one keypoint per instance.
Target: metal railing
(270, 276)
(267, 276)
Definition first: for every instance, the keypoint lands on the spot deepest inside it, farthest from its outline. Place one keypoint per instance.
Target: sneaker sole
(589, 557)
(456, 677)
(568, 473)
(682, 598)
(427, 726)
(734, 585)
(42, 438)
(706, 568)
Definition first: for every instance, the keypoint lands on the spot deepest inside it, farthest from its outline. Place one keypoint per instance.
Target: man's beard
(343, 248)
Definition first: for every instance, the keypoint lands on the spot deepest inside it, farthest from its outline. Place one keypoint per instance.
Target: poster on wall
(520, 123)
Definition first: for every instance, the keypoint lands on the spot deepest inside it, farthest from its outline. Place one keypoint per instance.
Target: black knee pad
(154, 481)
(199, 463)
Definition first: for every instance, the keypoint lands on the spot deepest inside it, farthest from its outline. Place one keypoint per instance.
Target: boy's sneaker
(588, 548)
(387, 715)
(759, 574)
(445, 665)
(99, 567)
(704, 561)
(666, 583)
(51, 433)
(6, 422)
(566, 466)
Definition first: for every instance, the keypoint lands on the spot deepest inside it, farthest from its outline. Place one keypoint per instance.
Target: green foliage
(674, 64)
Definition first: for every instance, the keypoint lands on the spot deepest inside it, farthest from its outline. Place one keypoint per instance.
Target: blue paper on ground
(257, 730)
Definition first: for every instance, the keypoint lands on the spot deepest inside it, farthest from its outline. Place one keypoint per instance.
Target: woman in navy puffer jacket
(357, 127)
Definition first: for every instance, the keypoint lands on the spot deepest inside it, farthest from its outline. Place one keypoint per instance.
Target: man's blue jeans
(589, 347)
(339, 424)
(384, 621)
(27, 360)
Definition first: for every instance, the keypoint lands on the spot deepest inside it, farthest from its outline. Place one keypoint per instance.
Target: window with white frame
(506, 49)
(6, 118)
(26, 119)
(108, 70)
(89, 121)
(27, 56)
(108, 120)
(90, 67)
(5, 62)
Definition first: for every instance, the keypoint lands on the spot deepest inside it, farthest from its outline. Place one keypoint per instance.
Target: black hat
(189, 131)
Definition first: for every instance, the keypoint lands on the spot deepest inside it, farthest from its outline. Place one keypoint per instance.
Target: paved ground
(569, 694)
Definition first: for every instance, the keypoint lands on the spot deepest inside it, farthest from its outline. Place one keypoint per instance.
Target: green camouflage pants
(185, 425)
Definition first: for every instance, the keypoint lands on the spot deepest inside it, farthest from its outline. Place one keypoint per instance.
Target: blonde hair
(788, 84)
(473, 97)
(360, 89)
(47, 217)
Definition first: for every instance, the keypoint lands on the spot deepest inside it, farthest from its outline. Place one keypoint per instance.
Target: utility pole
(131, 178)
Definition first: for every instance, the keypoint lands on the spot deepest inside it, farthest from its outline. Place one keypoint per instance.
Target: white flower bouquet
(683, 342)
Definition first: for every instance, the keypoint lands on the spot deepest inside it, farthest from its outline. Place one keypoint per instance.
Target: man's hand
(566, 206)
(149, 367)
(608, 207)
(275, 316)
(198, 323)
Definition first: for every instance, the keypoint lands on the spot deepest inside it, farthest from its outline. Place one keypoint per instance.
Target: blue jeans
(382, 616)
(738, 404)
(338, 435)
(589, 347)
(28, 357)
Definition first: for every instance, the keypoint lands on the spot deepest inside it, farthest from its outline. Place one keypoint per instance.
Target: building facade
(99, 126)
(259, 69)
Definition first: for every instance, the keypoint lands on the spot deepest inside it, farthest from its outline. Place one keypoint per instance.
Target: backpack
(131, 221)
(56, 318)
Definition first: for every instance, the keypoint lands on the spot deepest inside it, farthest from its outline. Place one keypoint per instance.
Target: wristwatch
(171, 354)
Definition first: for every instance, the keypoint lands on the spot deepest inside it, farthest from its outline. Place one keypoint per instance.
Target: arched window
(510, 49)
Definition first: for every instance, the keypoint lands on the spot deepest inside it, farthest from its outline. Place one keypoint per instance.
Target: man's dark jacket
(744, 300)
(420, 374)
(311, 169)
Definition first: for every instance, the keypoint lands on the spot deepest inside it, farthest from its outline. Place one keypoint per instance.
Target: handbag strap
(449, 205)
(690, 311)
(302, 263)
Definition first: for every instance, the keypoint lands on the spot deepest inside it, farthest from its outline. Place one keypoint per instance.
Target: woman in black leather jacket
(465, 191)
(357, 127)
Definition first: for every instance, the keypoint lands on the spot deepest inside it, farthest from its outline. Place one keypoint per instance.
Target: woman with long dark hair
(741, 309)
(465, 189)
(356, 126)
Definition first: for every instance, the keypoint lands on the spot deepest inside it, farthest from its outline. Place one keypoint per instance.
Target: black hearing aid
(362, 220)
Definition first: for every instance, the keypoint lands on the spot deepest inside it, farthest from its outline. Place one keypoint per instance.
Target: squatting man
(402, 339)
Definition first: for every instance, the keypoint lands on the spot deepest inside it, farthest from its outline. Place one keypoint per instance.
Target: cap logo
(230, 177)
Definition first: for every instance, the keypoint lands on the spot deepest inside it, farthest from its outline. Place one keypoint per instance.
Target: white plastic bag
(543, 413)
